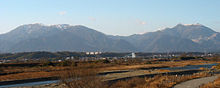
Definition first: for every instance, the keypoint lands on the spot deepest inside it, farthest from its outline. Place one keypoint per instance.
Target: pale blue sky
(117, 17)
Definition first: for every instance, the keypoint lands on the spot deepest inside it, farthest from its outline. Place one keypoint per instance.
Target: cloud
(141, 22)
(92, 19)
(62, 13)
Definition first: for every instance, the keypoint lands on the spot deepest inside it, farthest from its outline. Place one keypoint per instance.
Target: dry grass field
(156, 82)
(84, 74)
(18, 73)
(215, 84)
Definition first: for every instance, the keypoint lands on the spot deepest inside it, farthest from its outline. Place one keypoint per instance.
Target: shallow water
(191, 67)
(30, 84)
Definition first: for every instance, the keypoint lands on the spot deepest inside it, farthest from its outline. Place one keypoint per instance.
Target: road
(195, 83)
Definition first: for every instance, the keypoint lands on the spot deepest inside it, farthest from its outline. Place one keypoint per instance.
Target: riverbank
(113, 76)
(31, 82)
(109, 79)
(52, 85)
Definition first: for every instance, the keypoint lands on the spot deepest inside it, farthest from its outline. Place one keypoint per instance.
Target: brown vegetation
(132, 83)
(26, 75)
(81, 78)
(86, 70)
(215, 84)
(170, 81)
(160, 81)
(86, 78)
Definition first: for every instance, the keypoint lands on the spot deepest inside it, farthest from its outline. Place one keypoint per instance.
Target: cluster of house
(93, 53)
(4, 61)
(132, 55)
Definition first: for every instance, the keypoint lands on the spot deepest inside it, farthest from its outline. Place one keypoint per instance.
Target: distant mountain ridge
(64, 37)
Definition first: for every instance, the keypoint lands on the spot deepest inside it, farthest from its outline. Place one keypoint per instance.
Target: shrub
(67, 63)
(1, 70)
(132, 83)
(105, 61)
(48, 63)
(216, 58)
(217, 66)
(187, 58)
(148, 62)
(81, 78)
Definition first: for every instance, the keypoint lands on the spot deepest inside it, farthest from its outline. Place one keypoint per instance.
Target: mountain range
(65, 37)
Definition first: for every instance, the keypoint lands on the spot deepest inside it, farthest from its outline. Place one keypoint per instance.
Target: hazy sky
(117, 17)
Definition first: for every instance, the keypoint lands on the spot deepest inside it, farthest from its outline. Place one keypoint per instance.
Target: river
(188, 67)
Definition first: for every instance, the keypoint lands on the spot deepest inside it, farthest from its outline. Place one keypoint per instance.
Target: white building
(133, 55)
